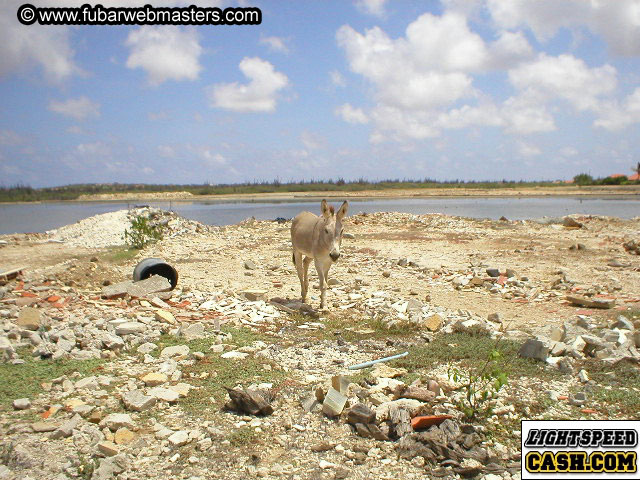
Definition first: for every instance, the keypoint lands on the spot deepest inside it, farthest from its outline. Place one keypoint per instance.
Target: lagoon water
(40, 217)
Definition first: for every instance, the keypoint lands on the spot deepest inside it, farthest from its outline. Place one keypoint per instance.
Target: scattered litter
(380, 360)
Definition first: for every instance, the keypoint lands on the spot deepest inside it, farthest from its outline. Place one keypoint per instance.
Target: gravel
(99, 231)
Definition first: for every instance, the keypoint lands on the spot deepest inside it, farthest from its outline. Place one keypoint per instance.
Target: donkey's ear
(343, 210)
(325, 209)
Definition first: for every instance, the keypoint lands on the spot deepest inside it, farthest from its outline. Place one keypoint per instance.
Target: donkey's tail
(294, 258)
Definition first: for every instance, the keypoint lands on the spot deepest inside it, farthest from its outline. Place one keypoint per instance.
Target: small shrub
(583, 179)
(479, 387)
(142, 232)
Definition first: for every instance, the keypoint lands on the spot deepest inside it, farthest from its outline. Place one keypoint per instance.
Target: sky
(373, 89)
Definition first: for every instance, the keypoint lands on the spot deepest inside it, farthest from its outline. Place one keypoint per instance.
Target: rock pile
(107, 229)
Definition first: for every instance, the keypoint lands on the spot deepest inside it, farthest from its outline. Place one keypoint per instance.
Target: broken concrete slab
(143, 288)
(153, 284)
(593, 302)
(137, 401)
(534, 349)
(29, 318)
(334, 403)
(254, 295)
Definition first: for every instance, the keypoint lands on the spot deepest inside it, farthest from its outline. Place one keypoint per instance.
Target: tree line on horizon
(26, 193)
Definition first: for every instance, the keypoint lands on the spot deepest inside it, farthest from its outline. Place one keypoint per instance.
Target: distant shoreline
(612, 191)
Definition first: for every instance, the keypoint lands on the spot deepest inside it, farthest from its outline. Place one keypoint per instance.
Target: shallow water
(39, 217)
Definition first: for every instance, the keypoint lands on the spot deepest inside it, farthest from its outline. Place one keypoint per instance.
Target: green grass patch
(222, 372)
(240, 337)
(472, 351)
(353, 328)
(243, 437)
(20, 381)
(618, 386)
(121, 254)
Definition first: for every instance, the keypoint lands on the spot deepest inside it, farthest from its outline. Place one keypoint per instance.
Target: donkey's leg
(297, 258)
(305, 282)
(322, 268)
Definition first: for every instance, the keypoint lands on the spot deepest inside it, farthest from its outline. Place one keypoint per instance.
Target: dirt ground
(437, 244)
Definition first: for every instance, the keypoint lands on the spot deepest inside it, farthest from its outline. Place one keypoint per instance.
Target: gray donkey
(318, 239)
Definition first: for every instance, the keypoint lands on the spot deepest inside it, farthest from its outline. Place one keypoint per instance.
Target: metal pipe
(380, 360)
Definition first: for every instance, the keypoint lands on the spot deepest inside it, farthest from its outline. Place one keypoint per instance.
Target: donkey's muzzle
(334, 256)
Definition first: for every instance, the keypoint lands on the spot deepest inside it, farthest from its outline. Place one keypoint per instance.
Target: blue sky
(451, 89)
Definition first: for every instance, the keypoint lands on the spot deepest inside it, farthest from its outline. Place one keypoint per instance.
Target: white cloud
(93, 149)
(566, 77)
(417, 77)
(508, 50)
(337, 79)
(616, 21)
(211, 158)
(77, 130)
(165, 53)
(350, 114)
(156, 116)
(526, 114)
(486, 114)
(312, 141)
(275, 44)
(528, 150)
(166, 151)
(23, 47)
(79, 108)
(615, 116)
(371, 7)
(259, 95)
(9, 137)
(568, 152)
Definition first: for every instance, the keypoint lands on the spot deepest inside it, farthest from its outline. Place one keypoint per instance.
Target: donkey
(318, 239)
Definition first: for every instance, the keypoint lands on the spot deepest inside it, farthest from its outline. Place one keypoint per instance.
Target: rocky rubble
(107, 229)
(128, 418)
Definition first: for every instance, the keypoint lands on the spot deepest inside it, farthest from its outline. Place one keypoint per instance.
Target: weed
(142, 232)
(86, 467)
(480, 363)
(243, 437)
(479, 386)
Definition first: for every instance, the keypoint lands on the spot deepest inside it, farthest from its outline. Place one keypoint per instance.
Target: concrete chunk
(29, 318)
(114, 421)
(593, 302)
(255, 295)
(108, 449)
(360, 413)
(153, 284)
(534, 349)
(137, 401)
(334, 403)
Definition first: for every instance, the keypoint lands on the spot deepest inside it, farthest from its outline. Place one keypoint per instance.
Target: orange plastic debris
(426, 421)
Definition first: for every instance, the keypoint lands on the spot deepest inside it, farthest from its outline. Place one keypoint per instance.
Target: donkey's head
(331, 232)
